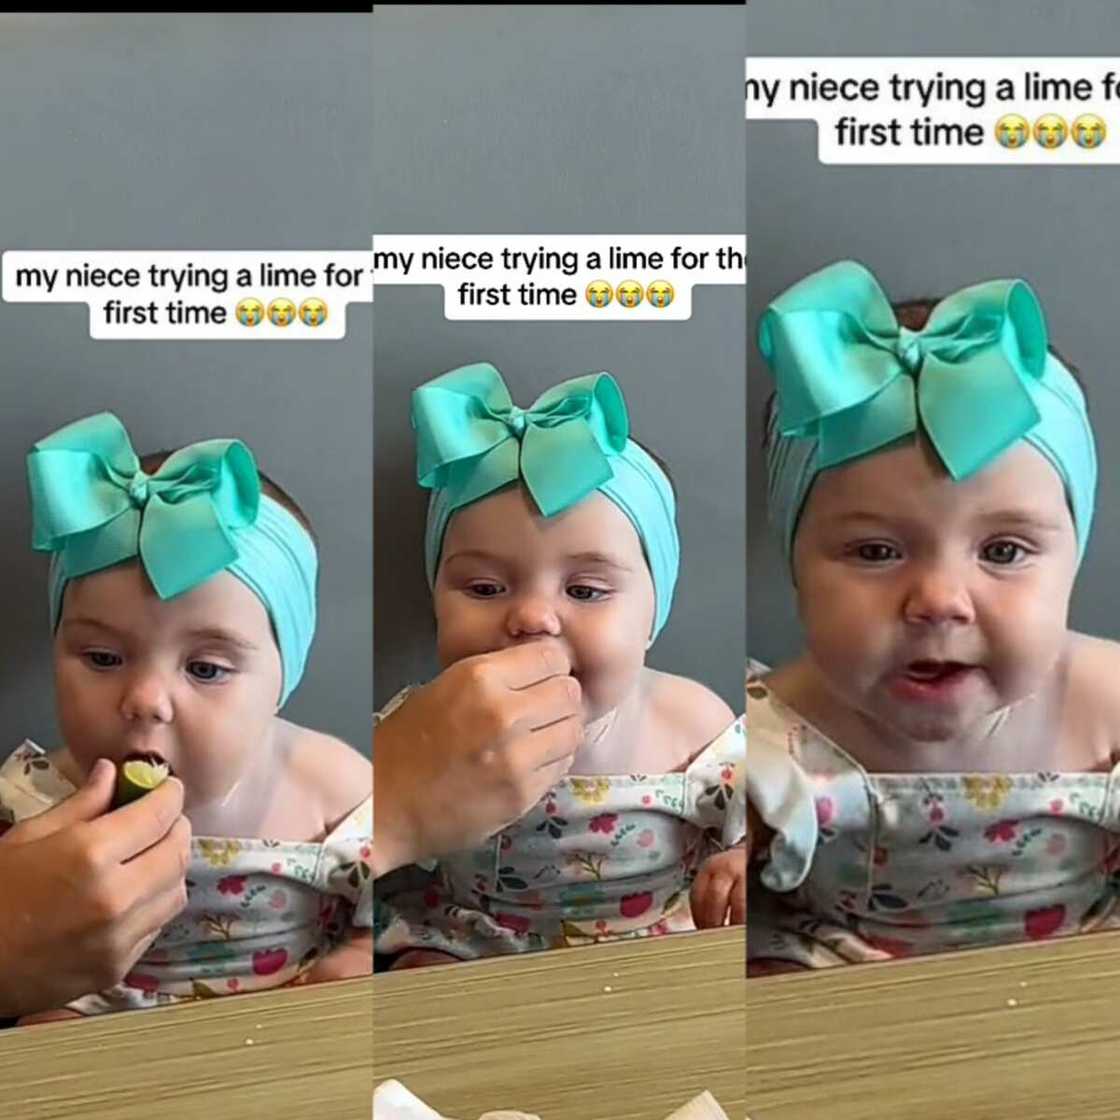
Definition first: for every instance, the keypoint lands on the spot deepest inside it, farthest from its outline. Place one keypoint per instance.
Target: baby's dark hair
(913, 314)
(151, 463)
(661, 463)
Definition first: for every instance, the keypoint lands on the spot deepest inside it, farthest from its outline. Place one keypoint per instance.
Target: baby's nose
(532, 616)
(938, 595)
(147, 698)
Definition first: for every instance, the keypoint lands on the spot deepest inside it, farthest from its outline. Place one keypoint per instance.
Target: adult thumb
(86, 804)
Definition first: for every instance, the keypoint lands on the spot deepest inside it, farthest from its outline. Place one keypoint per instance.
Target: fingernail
(98, 769)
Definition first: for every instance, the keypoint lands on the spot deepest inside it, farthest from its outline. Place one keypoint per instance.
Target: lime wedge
(136, 778)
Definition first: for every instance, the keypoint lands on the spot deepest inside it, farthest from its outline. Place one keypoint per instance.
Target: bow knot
(847, 372)
(93, 505)
(138, 489)
(909, 350)
(472, 439)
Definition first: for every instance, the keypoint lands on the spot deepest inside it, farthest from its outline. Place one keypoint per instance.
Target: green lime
(136, 778)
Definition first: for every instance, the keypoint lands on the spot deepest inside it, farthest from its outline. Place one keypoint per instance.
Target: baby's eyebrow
(203, 633)
(603, 558)
(470, 554)
(1011, 517)
(1028, 519)
(96, 623)
(217, 634)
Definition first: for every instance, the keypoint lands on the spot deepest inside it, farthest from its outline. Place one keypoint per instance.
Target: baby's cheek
(87, 727)
(610, 654)
(214, 752)
(464, 631)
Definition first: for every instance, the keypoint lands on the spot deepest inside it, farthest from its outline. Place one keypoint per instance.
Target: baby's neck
(612, 742)
(245, 809)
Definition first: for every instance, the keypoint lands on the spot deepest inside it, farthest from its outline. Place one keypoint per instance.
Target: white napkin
(392, 1101)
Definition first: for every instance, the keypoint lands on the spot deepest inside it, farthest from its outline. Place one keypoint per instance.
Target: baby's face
(929, 604)
(194, 679)
(508, 575)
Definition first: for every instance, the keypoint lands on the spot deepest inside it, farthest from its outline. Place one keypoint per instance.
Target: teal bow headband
(976, 379)
(201, 513)
(472, 441)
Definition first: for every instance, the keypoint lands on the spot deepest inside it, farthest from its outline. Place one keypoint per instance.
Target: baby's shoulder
(332, 772)
(1093, 690)
(691, 712)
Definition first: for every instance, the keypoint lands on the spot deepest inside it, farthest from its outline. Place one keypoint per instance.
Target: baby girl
(939, 768)
(182, 595)
(550, 524)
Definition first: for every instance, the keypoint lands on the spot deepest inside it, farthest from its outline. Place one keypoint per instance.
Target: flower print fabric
(260, 913)
(598, 858)
(870, 867)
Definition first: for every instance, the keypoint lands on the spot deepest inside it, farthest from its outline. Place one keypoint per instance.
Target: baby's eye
(585, 593)
(102, 659)
(484, 589)
(1003, 552)
(207, 671)
(877, 552)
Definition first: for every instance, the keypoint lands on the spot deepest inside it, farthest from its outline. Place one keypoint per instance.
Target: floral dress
(598, 858)
(867, 867)
(260, 913)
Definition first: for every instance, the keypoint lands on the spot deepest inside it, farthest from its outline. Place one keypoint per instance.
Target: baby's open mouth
(151, 758)
(934, 672)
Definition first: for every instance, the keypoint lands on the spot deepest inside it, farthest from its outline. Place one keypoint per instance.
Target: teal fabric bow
(976, 379)
(473, 440)
(846, 370)
(93, 506)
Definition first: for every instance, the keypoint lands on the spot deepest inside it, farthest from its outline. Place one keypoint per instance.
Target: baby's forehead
(909, 479)
(122, 598)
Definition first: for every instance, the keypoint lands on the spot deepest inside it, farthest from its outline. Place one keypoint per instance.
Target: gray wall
(566, 120)
(930, 230)
(185, 132)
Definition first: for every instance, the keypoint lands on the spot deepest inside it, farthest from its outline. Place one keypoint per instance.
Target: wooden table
(622, 1031)
(1030, 1032)
(308, 1059)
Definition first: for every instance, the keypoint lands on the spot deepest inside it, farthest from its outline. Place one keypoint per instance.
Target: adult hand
(85, 891)
(472, 751)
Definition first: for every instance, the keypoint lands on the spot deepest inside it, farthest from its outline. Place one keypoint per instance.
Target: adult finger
(127, 832)
(156, 883)
(551, 746)
(543, 704)
(525, 665)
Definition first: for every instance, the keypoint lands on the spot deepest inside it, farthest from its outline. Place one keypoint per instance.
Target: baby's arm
(48, 1017)
(354, 957)
(719, 891)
